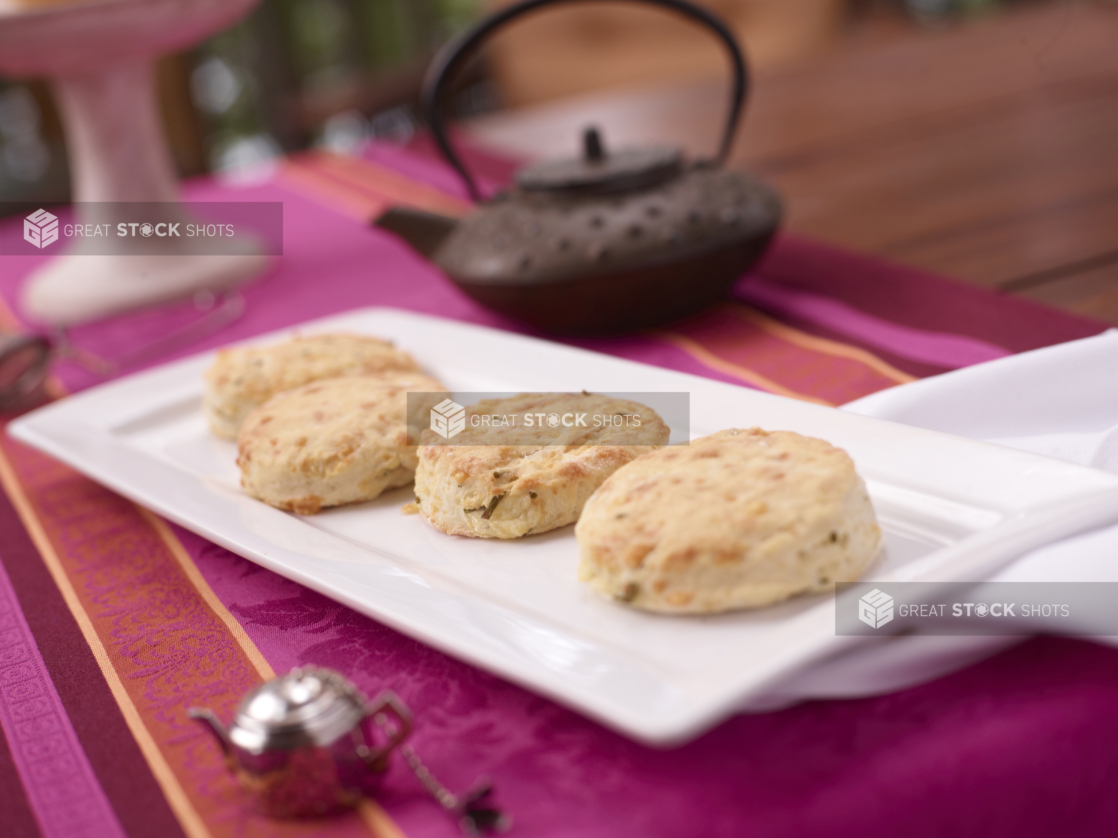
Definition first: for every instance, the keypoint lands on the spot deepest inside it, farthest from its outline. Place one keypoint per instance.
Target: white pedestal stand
(99, 57)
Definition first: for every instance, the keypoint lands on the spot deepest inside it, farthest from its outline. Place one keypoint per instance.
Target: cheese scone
(510, 478)
(243, 378)
(335, 442)
(737, 519)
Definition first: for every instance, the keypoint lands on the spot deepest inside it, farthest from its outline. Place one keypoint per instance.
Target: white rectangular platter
(951, 509)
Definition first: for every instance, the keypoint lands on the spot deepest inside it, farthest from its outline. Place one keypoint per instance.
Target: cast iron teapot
(605, 243)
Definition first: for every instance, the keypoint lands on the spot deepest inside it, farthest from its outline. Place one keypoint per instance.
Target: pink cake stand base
(99, 57)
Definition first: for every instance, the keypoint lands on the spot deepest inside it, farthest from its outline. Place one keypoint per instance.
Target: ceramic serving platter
(951, 509)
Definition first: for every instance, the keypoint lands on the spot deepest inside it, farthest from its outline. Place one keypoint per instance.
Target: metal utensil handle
(20, 380)
(455, 52)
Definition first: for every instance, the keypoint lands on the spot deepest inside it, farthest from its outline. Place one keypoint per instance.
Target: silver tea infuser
(309, 743)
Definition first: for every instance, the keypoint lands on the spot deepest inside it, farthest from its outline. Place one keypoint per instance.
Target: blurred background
(337, 73)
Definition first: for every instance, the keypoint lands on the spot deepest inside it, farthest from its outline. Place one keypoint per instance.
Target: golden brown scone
(737, 519)
(505, 482)
(334, 442)
(243, 378)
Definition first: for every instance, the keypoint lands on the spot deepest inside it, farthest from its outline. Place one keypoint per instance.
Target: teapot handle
(450, 58)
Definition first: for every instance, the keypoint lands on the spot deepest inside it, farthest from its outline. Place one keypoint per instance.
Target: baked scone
(508, 480)
(737, 519)
(334, 442)
(243, 378)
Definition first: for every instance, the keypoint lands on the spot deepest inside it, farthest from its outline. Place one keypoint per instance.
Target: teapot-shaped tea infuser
(608, 242)
(309, 743)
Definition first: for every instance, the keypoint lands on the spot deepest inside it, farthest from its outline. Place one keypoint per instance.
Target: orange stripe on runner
(378, 820)
(817, 344)
(263, 668)
(360, 189)
(337, 196)
(792, 362)
(700, 353)
(394, 187)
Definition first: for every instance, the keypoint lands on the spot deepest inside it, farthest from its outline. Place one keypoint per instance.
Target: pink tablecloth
(113, 623)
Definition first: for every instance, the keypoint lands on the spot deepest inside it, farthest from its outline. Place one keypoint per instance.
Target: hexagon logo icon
(40, 228)
(875, 609)
(448, 418)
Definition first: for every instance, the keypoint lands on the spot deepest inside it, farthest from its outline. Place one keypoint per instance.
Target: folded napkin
(1061, 401)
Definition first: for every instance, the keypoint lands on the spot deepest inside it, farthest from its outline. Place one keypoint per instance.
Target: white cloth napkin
(1061, 401)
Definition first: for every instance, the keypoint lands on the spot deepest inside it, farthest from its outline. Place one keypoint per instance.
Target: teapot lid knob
(596, 171)
(592, 147)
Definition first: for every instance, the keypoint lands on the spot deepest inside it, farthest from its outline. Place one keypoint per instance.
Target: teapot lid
(599, 171)
(311, 705)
